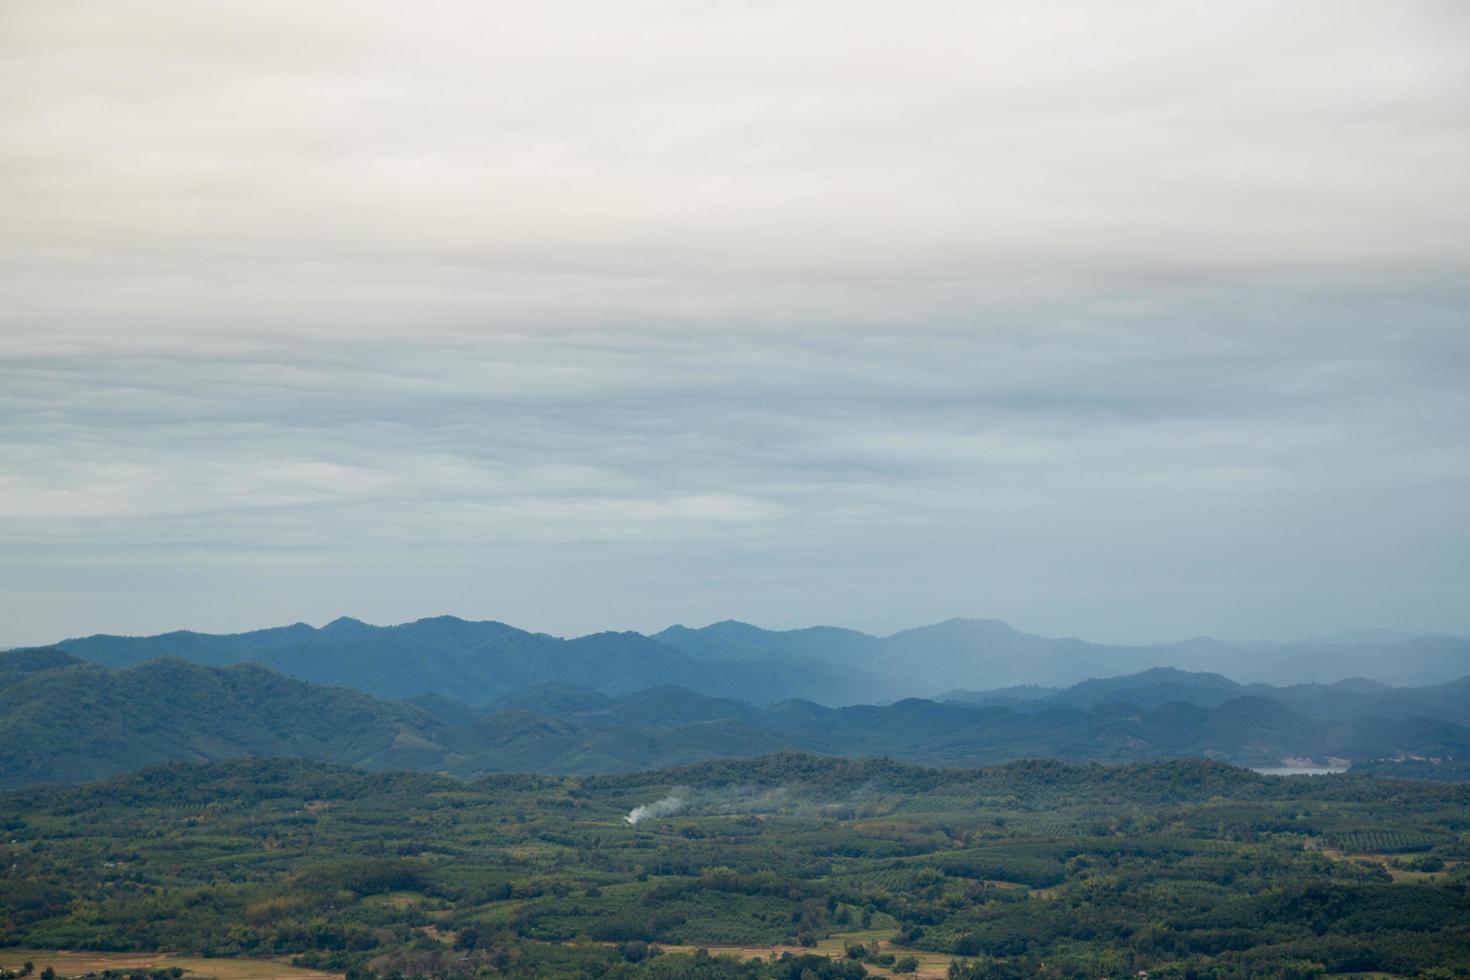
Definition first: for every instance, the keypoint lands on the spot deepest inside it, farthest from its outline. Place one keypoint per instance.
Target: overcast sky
(1132, 321)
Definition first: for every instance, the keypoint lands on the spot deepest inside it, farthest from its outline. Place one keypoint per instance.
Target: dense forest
(120, 719)
(1183, 869)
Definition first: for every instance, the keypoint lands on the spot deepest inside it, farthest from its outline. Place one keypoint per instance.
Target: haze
(1133, 321)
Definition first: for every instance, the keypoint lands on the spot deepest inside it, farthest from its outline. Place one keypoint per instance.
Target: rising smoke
(784, 802)
(666, 807)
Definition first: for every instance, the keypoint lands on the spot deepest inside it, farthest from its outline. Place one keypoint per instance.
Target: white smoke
(666, 807)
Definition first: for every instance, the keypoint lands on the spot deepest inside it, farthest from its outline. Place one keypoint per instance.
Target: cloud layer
(1128, 321)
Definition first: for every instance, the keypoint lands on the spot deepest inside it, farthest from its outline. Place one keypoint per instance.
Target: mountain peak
(731, 626)
(346, 624)
(992, 625)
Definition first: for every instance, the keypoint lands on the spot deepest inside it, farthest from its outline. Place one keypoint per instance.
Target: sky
(1133, 321)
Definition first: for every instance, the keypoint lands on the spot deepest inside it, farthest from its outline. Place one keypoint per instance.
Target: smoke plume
(666, 807)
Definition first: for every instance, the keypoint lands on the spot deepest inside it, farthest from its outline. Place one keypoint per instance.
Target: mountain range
(66, 720)
(479, 662)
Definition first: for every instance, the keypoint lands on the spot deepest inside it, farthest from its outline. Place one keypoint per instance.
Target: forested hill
(65, 721)
(62, 720)
(479, 662)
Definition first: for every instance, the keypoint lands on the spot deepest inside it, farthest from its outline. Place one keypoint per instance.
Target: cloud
(344, 165)
(1124, 323)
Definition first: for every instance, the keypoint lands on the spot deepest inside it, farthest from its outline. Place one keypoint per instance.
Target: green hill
(76, 721)
(63, 720)
(476, 662)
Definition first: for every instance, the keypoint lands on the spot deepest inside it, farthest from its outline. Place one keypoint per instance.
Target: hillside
(732, 640)
(475, 662)
(1345, 700)
(479, 663)
(62, 720)
(66, 722)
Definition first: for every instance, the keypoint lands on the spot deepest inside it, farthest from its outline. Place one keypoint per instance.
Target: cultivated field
(76, 964)
(931, 965)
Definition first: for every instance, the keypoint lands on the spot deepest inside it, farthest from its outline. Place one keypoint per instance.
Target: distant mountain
(1015, 694)
(988, 654)
(478, 663)
(63, 720)
(1345, 700)
(473, 662)
(1357, 698)
(1151, 688)
(731, 640)
(1359, 638)
(1131, 717)
(1418, 660)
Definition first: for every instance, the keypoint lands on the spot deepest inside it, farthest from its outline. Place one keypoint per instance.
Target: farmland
(839, 867)
(67, 964)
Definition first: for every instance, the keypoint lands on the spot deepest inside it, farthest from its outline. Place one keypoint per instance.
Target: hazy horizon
(1129, 323)
(1346, 635)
